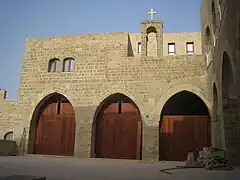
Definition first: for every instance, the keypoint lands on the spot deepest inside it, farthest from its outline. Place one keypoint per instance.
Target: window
(171, 49)
(53, 65)
(8, 136)
(139, 48)
(68, 65)
(190, 48)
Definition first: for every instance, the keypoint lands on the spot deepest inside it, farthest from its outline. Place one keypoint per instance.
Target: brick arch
(170, 92)
(34, 116)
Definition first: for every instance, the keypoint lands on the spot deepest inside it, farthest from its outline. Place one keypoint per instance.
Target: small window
(171, 49)
(190, 48)
(8, 136)
(53, 65)
(68, 65)
(139, 48)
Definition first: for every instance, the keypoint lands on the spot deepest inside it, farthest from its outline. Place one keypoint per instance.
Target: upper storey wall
(180, 40)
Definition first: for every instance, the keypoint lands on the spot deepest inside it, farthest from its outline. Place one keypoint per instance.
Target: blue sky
(32, 19)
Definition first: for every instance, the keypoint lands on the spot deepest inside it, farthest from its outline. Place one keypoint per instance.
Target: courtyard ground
(62, 168)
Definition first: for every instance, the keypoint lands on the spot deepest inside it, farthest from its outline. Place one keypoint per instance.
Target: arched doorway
(52, 129)
(184, 127)
(230, 105)
(118, 129)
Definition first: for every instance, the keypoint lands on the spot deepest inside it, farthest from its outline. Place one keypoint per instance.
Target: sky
(21, 19)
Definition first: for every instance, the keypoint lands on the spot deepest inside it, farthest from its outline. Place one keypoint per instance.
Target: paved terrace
(61, 168)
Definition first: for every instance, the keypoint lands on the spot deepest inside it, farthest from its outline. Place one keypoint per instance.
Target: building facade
(124, 95)
(220, 29)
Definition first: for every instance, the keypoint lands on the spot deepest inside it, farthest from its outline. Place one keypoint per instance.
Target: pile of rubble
(213, 158)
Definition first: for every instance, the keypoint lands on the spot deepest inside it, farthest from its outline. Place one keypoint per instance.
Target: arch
(151, 41)
(229, 106)
(207, 39)
(8, 136)
(151, 29)
(53, 120)
(68, 64)
(184, 126)
(178, 88)
(53, 65)
(117, 129)
(214, 17)
(228, 78)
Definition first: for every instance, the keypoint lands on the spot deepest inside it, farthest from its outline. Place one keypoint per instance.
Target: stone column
(150, 138)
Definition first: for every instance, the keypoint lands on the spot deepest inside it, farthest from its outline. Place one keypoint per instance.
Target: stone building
(220, 36)
(149, 95)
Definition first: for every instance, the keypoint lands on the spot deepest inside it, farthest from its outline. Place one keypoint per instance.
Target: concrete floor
(62, 168)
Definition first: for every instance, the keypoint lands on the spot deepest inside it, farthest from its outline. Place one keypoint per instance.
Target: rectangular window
(190, 48)
(139, 48)
(171, 49)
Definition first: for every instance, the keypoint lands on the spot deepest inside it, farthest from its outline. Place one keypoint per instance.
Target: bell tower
(152, 36)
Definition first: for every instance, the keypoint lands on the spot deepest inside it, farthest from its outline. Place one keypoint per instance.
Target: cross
(152, 13)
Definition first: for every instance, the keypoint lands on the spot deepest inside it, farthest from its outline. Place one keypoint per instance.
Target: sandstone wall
(227, 35)
(104, 65)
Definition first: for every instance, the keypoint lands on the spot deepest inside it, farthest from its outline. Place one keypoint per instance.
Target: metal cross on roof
(151, 13)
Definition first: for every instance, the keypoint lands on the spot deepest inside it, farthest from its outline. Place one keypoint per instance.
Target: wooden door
(182, 134)
(55, 132)
(68, 129)
(119, 133)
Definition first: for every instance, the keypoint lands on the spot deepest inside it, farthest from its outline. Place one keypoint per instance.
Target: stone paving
(63, 168)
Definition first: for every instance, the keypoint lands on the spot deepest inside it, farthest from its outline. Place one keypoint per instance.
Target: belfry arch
(117, 129)
(52, 128)
(151, 41)
(184, 126)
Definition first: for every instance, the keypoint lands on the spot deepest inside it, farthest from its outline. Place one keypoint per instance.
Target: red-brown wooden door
(119, 133)
(55, 131)
(182, 134)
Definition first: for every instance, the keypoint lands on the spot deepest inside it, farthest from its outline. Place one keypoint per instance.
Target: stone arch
(207, 39)
(229, 107)
(109, 111)
(151, 40)
(183, 128)
(178, 88)
(8, 136)
(36, 99)
(60, 110)
(121, 90)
